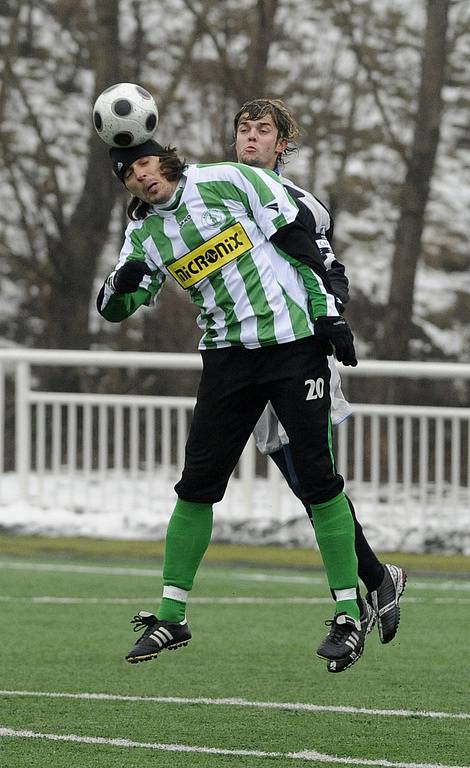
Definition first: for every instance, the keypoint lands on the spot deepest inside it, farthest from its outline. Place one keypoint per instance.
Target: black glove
(127, 279)
(338, 333)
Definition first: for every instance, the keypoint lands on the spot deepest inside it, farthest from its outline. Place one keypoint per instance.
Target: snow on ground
(117, 507)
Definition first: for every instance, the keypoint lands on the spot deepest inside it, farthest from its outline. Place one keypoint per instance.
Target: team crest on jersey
(211, 256)
(213, 218)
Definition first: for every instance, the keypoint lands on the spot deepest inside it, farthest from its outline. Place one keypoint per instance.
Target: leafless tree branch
(346, 14)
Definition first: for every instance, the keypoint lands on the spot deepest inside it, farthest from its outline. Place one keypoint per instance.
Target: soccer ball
(125, 115)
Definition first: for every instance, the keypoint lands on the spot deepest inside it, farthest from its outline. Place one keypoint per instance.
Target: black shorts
(235, 386)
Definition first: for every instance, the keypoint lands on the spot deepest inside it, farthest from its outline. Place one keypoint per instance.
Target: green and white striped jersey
(212, 237)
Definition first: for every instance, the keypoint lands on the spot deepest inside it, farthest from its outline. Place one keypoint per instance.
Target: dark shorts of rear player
(235, 386)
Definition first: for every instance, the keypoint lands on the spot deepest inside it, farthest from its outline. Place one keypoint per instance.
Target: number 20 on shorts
(316, 388)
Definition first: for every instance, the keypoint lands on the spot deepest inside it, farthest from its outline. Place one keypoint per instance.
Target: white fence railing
(110, 461)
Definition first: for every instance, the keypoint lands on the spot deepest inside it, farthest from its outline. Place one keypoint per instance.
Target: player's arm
(114, 303)
(277, 215)
(132, 284)
(336, 271)
(294, 240)
(322, 252)
(280, 218)
(317, 220)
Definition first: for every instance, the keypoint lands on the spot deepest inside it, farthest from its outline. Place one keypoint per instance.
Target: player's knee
(316, 493)
(198, 488)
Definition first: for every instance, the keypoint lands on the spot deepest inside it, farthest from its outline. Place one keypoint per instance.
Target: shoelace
(337, 634)
(142, 622)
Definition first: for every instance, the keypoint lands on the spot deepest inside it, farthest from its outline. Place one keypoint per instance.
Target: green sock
(187, 538)
(334, 530)
(171, 610)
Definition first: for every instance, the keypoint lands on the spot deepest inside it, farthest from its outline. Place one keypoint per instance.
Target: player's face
(257, 142)
(145, 180)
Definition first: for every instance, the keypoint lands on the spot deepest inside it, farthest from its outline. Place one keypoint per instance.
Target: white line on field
(46, 599)
(69, 568)
(236, 702)
(247, 600)
(458, 584)
(307, 755)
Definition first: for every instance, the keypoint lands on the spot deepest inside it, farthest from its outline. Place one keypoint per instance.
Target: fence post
(247, 472)
(22, 427)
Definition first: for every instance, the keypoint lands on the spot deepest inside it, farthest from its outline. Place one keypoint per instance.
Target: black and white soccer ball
(125, 115)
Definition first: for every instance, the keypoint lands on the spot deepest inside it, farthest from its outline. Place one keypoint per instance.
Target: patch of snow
(121, 507)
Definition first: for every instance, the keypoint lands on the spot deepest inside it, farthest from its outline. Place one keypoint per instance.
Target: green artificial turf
(217, 554)
(254, 651)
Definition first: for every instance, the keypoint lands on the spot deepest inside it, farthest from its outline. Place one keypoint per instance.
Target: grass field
(247, 691)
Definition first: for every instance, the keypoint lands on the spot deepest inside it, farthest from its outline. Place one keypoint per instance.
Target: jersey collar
(174, 200)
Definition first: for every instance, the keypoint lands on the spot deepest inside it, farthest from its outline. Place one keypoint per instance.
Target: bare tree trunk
(415, 191)
(85, 234)
(262, 38)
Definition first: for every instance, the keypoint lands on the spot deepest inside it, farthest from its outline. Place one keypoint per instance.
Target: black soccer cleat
(368, 618)
(346, 636)
(385, 601)
(158, 636)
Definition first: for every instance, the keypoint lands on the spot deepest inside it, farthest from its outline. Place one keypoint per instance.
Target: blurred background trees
(379, 87)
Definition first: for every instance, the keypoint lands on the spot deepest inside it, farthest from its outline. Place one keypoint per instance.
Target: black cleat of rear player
(385, 601)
